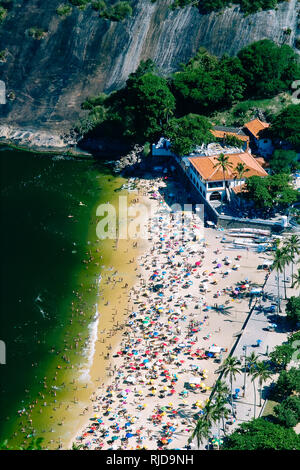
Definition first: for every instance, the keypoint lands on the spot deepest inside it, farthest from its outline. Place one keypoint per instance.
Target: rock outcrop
(81, 54)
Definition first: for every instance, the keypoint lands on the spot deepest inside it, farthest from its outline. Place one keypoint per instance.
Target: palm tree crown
(223, 163)
(296, 279)
(261, 372)
(278, 260)
(240, 170)
(201, 431)
(230, 367)
(293, 247)
(293, 244)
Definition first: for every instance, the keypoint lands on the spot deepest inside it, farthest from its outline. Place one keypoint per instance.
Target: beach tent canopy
(215, 349)
(131, 379)
(256, 291)
(267, 262)
(194, 380)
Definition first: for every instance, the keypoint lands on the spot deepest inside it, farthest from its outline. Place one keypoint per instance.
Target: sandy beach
(161, 364)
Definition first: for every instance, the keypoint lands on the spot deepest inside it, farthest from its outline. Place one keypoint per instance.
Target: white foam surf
(89, 351)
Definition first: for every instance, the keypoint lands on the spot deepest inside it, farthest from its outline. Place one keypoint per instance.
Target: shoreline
(101, 370)
(106, 329)
(51, 151)
(55, 415)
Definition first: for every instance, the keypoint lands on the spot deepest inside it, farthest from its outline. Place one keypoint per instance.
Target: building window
(218, 184)
(215, 196)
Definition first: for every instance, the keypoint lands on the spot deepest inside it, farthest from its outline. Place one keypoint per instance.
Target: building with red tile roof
(209, 179)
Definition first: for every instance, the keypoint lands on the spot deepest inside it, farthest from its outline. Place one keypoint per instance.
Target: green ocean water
(48, 287)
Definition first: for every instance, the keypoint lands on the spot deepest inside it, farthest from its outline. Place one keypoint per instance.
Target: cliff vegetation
(182, 105)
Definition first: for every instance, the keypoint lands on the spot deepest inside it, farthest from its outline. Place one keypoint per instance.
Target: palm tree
(287, 258)
(223, 163)
(221, 393)
(201, 431)
(293, 246)
(240, 171)
(261, 372)
(296, 279)
(221, 389)
(220, 411)
(208, 412)
(250, 362)
(230, 367)
(278, 265)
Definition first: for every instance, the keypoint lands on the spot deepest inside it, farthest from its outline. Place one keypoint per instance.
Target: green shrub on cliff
(36, 33)
(3, 55)
(117, 12)
(79, 3)
(247, 6)
(64, 9)
(3, 13)
(93, 101)
(99, 5)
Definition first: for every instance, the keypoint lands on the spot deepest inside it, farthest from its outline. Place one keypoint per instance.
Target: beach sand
(144, 397)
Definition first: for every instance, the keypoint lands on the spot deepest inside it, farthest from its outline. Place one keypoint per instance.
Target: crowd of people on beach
(163, 370)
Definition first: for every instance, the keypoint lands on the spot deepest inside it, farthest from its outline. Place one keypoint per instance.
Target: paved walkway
(257, 329)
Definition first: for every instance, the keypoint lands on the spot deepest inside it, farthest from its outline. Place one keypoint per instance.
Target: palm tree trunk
(254, 398)
(231, 394)
(278, 292)
(223, 423)
(260, 392)
(284, 278)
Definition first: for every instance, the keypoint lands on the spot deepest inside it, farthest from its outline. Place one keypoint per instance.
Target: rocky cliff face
(82, 54)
